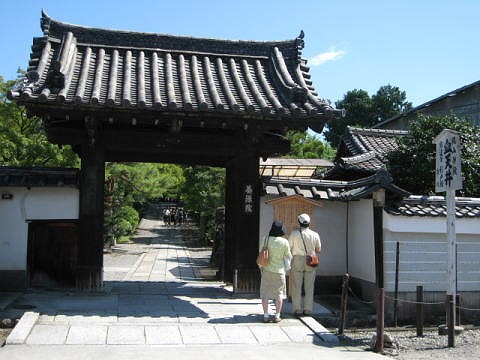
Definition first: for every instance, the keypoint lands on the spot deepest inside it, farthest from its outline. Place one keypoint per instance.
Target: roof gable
(364, 151)
(93, 68)
(293, 199)
(316, 189)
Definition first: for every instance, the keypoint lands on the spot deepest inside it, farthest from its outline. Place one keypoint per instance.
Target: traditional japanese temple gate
(126, 96)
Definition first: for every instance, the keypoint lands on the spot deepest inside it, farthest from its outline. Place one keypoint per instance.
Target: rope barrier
(358, 298)
(409, 301)
(415, 302)
(465, 308)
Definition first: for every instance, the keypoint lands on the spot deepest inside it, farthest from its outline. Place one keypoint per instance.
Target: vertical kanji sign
(448, 172)
(248, 193)
(448, 178)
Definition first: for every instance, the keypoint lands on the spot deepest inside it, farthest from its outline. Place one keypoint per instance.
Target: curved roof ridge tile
(359, 158)
(53, 28)
(373, 131)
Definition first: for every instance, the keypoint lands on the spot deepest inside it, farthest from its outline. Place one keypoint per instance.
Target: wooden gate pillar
(89, 273)
(242, 211)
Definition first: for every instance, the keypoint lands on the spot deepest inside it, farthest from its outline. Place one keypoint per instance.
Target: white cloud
(331, 55)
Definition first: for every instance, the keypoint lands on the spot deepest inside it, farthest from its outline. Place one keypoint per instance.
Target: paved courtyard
(158, 292)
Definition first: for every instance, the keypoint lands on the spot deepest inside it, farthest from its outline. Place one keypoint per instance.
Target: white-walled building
(38, 214)
(342, 213)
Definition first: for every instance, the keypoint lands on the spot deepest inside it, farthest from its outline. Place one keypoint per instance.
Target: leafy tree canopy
(388, 102)
(307, 146)
(203, 189)
(203, 192)
(363, 110)
(23, 141)
(413, 164)
(139, 182)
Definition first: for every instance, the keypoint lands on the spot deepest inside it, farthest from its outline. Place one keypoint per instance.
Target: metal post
(420, 311)
(343, 304)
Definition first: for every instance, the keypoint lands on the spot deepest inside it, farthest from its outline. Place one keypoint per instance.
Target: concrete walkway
(157, 301)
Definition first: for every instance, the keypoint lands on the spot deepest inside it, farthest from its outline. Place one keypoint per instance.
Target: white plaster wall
(361, 252)
(423, 255)
(429, 224)
(33, 204)
(330, 223)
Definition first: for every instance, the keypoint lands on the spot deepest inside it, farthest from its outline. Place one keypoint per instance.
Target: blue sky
(424, 47)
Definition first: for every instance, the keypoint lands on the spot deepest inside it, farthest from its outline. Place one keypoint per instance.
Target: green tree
(388, 102)
(363, 110)
(23, 141)
(413, 164)
(129, 187)
(359, 112)
(203, 192)
(307, 146)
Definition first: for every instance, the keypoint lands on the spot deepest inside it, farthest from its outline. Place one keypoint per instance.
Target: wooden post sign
(448, 178)
(448, 172)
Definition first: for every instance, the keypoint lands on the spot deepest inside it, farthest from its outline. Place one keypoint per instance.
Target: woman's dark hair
(277, 229)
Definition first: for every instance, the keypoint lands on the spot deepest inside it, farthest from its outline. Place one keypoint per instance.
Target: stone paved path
(157, 302)
(155, 294)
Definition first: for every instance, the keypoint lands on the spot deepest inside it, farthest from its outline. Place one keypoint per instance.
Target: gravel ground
(3, 335)
(407, 346)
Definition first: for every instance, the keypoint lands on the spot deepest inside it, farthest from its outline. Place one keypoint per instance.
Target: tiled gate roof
(93, 68)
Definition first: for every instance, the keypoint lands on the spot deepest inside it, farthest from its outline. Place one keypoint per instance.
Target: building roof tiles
(434, 206)
(330, 189)
(38, 177)
(402, 204)
(364, 150)
(121, 69)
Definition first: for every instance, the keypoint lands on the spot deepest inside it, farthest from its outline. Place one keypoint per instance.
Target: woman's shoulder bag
(262, 258)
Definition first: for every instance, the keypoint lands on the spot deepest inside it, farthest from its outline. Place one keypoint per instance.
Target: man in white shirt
(303, 241)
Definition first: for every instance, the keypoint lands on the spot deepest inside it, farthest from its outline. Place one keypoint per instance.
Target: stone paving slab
(21, 331)
(300, 334)
(87, 335)
(148, 319)
(126, 335)
(320, 330)
(198, 334)
(235, 334)
(163, 335)
(90, 319)
(269, 334)
(48, 335)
